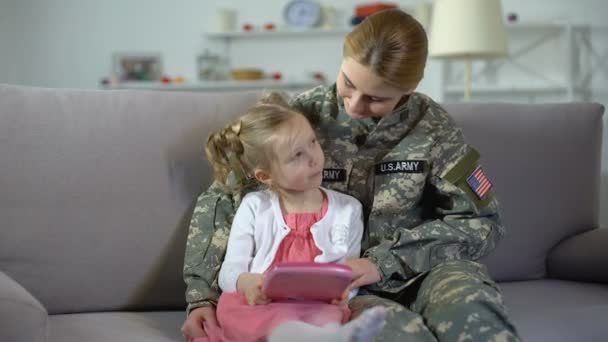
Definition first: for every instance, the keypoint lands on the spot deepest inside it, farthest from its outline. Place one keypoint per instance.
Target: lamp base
(467, 78)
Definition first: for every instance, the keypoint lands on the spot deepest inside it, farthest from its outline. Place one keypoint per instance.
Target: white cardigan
(258, 229)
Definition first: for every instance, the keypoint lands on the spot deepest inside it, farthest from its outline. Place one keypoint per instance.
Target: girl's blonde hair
(245, 144)
(393, 44)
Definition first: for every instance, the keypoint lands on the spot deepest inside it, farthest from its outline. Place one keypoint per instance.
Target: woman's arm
(206, 245)
(460, 225)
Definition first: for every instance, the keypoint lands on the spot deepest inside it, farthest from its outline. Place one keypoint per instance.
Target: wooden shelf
(532, 25)
(216, 85)
(290, 32)
(278, 33)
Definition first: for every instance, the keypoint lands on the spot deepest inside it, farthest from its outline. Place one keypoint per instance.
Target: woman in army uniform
(429, 209)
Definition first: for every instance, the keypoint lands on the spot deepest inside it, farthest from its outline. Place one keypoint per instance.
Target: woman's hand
(250, 285)
(365, 272)
(193, 326)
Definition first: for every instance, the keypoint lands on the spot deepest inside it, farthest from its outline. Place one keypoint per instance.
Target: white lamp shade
(467, 29)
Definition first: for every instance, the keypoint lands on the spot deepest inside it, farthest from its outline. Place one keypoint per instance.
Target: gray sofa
(97, 188)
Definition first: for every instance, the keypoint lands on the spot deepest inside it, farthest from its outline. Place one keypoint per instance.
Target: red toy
(318, 76)
(247, 27)
(369, 9)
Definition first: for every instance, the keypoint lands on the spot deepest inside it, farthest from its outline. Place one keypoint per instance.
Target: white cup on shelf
(226, 20)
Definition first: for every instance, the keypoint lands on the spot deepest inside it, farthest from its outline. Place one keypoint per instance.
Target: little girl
(293, 219)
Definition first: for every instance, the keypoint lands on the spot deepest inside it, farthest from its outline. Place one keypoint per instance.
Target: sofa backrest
(545, 163)
(97, 189)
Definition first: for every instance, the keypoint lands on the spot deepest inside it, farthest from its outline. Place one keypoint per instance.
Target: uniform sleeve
(241, 246)
(458, 224)
(206, 246)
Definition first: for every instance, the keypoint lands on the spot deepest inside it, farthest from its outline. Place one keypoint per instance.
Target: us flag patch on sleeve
(479, 183)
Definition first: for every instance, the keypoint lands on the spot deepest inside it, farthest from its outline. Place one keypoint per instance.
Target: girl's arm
(354, 238)
(355, 231)
(241, 246)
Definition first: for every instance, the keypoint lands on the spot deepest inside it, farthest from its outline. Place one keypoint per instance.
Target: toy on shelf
(364, 10)
(319, 76)
(247, 74)
(212, 67)
(512, 17)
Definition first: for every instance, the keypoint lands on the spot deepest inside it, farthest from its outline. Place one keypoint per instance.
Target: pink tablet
(307, 281)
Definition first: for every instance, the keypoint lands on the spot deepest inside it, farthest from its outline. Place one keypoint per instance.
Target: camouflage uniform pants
(455, 301)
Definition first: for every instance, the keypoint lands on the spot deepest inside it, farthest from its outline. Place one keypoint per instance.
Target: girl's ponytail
(224, 150)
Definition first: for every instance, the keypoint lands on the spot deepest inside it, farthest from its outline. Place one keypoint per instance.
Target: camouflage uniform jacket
(408, 169)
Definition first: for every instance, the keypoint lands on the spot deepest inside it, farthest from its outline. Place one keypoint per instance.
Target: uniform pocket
(398, 184)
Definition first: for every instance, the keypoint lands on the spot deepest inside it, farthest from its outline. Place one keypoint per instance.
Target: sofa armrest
(22, 317)
(582, 257)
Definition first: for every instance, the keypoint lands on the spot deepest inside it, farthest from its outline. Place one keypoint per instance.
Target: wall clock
(302, 13)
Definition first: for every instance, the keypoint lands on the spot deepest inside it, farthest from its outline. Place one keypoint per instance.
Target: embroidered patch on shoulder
(479, 183)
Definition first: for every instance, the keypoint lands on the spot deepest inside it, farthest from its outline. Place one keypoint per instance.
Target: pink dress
(243, 323)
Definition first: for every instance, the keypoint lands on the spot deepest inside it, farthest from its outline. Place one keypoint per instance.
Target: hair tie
(236, 127)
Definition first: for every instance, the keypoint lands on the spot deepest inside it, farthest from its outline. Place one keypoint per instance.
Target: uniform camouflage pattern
(424, 225)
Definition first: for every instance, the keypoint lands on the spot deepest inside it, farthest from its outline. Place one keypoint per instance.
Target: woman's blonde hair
(245, 144)
(393, 44)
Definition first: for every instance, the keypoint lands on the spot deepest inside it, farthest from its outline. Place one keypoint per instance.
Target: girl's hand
(365, 272)
(250, 285)
(343, 299)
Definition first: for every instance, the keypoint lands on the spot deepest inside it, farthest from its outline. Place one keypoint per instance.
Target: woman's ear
(262, 176)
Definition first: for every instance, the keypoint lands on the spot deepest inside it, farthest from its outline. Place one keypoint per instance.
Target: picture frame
(137, 66)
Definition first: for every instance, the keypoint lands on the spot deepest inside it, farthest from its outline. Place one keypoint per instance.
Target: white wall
(69, 43)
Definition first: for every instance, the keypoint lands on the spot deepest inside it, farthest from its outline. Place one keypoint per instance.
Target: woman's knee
(401, 324)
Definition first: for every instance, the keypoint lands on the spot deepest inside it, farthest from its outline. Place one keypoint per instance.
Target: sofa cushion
(22, 317)
(161, 326)
(98, 189)
(544, 161)
(543, 310)
(557, 310)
